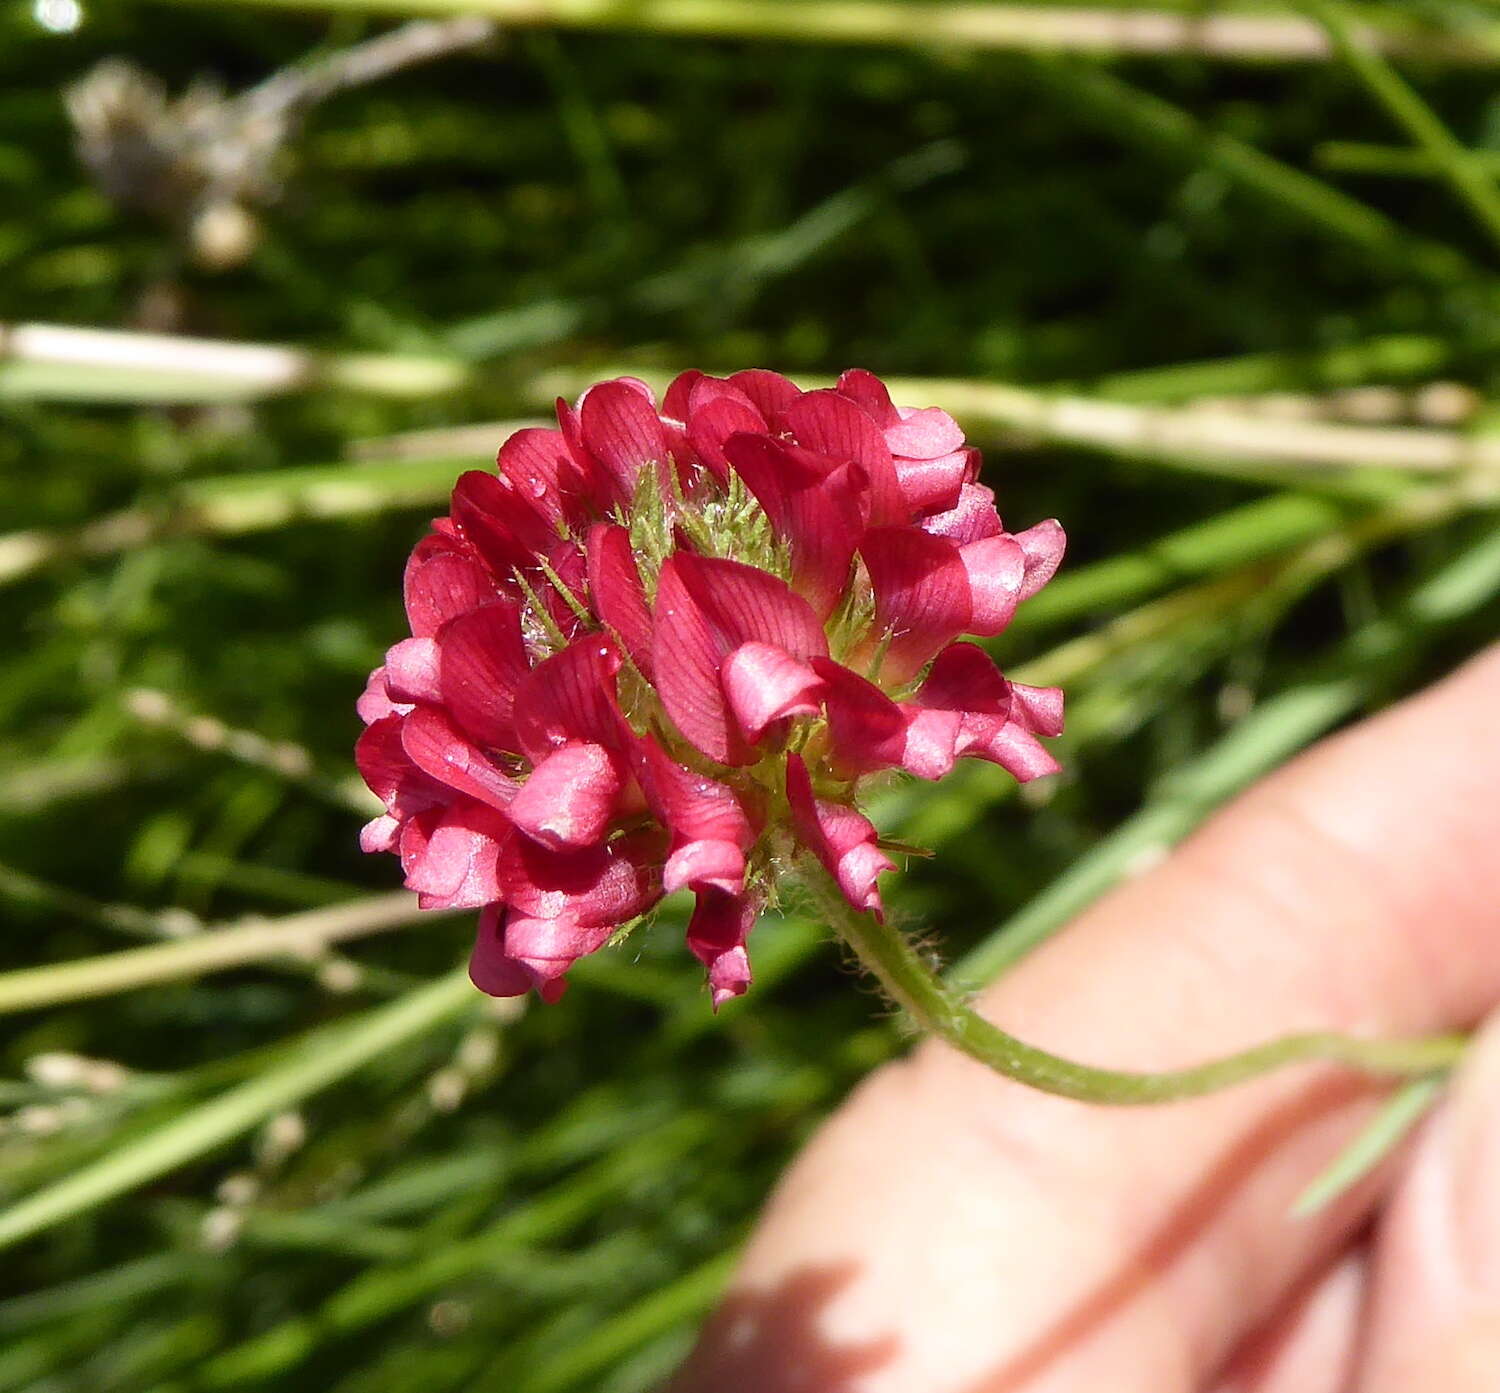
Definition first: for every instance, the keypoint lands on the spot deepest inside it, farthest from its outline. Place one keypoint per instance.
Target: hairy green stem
(939, 1010)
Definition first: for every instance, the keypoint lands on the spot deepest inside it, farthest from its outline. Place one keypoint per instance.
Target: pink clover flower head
(663, 646)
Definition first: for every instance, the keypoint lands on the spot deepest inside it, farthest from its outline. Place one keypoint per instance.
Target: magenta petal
(763, 684)
(841, 838)
(493, 968)
(729, 975)
(866, 730)
(718, 411)
(490, 969)
(1039, 709)
(1000, 719)
(570, 696)
(622, 431)
(774, 470)
(834, 426)
(970, 519)
(685, 656)
(440, 585)
(496, 523)
(375, 701)
(705, 865)
(933, 741)
(922, 594)
(600, 490)
(380, 834)
(964, 682)
(381, 759)
(386, 767)
(708, 824)
(863, 387)
(933, 486)
(825, 529)
(549, 947)
(996, 568)
(538, 467)
(716, 935)
(742, 604)
(570, 797)
(813, 502)
(619, 598)
(436, 747)
(1016, 750)
(599, 885)
(451, 864)
(639, 386)
(926, 433)
(692, 806)
(674, 405)
(411, 671)
(964, 678)
(861, 866)
(769, 392)
(706, 608)
(481, 663)
(869, 731)
(1043, 546)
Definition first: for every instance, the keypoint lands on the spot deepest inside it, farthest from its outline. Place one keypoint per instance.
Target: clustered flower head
(663, 646)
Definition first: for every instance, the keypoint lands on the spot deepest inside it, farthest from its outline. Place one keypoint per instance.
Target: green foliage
(301, 1155)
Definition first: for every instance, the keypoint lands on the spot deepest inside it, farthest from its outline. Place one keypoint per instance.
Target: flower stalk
(937, 1009)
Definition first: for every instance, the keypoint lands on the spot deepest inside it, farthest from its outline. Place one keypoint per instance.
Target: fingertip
(1308, 1347)
(1436, 1316)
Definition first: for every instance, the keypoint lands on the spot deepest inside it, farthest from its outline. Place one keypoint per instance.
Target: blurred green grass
(332, 1167)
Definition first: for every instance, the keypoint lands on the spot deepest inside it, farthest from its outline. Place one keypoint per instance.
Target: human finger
(1435, 1318)
(1310, 1346)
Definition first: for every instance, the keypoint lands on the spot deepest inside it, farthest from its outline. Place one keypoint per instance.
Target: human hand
(952, 1232)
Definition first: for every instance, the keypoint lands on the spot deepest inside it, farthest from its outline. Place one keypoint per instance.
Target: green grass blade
(1229, 37)
(215, 950)
(1465, 175)
(1384, 358)
(1125, 112)
(1402, 1111)
(329, 1056)
(677, 1302)
(1230, 539)
(382, 1291)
